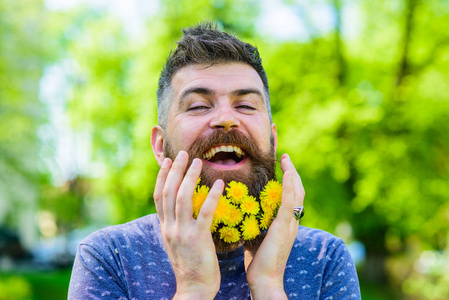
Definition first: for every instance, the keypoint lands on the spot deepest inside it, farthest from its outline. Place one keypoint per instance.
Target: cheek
(185, 133)
(260, 132)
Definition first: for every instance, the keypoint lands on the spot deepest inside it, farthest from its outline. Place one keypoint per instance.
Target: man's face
(218, 113)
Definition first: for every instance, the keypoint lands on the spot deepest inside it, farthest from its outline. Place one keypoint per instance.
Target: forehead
(221, 78)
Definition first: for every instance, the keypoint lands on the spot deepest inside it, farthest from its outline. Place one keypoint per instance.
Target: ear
(275, 137)
(157, 143)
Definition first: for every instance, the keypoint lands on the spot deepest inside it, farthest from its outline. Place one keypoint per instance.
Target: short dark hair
(206, 44)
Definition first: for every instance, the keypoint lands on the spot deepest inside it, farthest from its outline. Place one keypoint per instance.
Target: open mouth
(224, 155)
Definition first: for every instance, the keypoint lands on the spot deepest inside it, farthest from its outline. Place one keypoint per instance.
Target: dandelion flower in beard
(250, 228)
(271, 196)
(198, 199)
(214, 226)
(223, 209)
(249, 205)
(229, 234)
(236, 191)
(234, 216)
(266, 220)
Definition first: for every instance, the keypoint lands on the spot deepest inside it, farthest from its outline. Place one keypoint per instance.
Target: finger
(287, 165)
(186, 190)
(298, 188)
(299, 193)
(288, 199)
(207, 211)
(172, 184)
(160, 183)
(291, 200)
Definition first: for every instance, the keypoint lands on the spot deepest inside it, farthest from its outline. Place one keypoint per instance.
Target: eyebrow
(209, 92)
(196, 90)
(243, 92)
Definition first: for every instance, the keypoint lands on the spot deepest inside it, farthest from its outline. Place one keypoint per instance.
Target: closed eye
(246, 107)
(199, 107)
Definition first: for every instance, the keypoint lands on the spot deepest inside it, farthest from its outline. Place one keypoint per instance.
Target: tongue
(225, 162)
(223, 158)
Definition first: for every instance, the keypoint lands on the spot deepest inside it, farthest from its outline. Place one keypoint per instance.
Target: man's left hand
(265, 264)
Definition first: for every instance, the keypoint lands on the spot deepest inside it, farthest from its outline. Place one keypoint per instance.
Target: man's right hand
(188, 241)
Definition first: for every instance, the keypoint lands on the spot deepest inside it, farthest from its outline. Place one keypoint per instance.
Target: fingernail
(196, 162)
(181, 154)
(219, 183)
(165, 163)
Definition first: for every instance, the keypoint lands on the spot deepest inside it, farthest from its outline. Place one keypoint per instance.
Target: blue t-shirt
(129, 261)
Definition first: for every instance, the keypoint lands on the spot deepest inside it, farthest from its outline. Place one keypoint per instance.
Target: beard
(262, 169)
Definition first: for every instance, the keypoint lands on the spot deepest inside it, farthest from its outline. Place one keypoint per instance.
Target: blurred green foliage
(362, 109)
(34, 285)
(22, 58)
(14, 288)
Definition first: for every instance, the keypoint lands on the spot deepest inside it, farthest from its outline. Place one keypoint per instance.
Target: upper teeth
(212, 151)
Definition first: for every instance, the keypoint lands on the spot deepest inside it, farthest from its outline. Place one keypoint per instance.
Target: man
(213, 92)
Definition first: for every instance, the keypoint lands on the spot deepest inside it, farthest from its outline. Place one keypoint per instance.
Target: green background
(361, 106)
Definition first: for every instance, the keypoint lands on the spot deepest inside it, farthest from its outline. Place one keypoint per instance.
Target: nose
(225, 118)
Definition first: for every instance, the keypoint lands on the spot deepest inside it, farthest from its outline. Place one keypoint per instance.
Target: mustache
(262, 163)
(219, 137)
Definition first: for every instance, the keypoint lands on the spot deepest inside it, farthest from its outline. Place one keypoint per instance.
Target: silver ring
(298, 212)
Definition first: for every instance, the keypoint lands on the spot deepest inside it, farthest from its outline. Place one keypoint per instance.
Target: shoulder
(112, 259)
(321, 264)
(316, 237)
(139, 232)
(317, 244)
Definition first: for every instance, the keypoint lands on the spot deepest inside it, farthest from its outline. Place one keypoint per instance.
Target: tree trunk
(341, 73)
(404, 65)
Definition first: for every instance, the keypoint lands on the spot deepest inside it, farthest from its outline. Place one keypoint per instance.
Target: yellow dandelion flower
(266, 220)
(249, 205)
(266, 208)
(198, 199)
(236, 191)
(229, 234)
(198, 182)
(234, 217)
(250, 228)
(271, 196)
(214, 226)
(223, 209)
